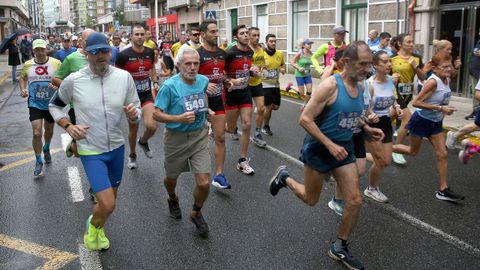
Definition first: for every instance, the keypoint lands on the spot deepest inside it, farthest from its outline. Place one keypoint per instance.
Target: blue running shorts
(422, 127)
(105, 170)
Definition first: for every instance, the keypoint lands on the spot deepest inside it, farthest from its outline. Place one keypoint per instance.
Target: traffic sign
(210, 15)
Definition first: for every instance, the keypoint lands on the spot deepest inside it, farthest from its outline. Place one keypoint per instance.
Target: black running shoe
(345, 257)
(448, 195)
(145, 148)
(174, 207)
(202, 226)
(279, 180)
(266, 130)
(93, 197)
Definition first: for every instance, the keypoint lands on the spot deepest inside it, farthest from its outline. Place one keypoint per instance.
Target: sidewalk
(456, 120)
(6, 85)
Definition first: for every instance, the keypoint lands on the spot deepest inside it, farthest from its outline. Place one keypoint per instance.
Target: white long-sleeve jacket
(98, 103)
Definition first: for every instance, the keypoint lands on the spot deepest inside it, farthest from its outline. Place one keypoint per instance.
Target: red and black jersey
(212, 64)
(166, 46)
(238, 64)
(138, 64)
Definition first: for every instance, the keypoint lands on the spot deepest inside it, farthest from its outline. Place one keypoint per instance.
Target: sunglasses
(196, 34)
(103, 50)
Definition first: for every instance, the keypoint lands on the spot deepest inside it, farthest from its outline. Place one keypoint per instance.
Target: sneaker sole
(367, 194)
(217, 185)
(241, 170)
(443, 198)
(131, 167)
(333, 256)
(275, 177)
(330, 205)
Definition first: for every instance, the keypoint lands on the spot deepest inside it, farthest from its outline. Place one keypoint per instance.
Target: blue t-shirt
(62, 53)
(176, 97)
(114, 55)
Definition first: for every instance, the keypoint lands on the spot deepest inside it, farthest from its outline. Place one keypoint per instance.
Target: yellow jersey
(273, 63)
(258, 60)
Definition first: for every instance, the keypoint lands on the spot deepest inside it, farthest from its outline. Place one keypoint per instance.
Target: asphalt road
(249, 229)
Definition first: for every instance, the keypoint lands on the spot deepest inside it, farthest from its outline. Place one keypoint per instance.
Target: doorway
(459, 23)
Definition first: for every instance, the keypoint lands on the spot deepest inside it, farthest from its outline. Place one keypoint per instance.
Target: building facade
(13, 15)
(49, 12)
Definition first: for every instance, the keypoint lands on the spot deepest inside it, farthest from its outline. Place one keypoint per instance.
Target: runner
(255, 83)
(182, 105)
(432, 104)
(238, 99)
(212, 64)
(138, 60)
(383, 100)
(165, 50)
(329, 119)
(327, 50)
(274, 65)
(193, 38)
(100, 139)
(468, 147)
(302, 62)
(34, 80)
(66, 49)
(405, 65)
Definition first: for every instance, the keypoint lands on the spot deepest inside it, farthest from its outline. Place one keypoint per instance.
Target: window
(354, 18)
(299, 21)
(262, 21)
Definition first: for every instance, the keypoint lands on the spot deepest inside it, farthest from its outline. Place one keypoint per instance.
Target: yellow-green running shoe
(102, 240)
(91, 235)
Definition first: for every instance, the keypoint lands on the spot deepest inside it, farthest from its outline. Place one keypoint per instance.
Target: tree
(119, 14)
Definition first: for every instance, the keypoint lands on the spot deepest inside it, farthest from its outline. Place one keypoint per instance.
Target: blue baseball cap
(96, 41)
(307, 41)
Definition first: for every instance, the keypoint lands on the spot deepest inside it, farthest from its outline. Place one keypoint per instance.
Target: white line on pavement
(455, 241)
(65, 140)
(292, 101)
(75, 184)
(89, 260)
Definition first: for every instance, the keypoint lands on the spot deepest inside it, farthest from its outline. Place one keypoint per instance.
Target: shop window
(354, 18)
(299, 21)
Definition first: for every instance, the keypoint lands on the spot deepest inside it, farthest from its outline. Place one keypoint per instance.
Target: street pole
(156, 21)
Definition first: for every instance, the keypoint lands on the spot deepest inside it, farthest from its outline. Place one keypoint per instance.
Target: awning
(61, 24)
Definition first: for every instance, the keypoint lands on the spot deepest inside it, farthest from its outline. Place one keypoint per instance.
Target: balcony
(174, 4)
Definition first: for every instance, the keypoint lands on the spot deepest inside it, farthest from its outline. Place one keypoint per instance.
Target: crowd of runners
(199, 89)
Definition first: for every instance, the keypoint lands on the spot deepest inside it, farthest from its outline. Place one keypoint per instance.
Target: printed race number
(405, 88)
(142, 85)
(348, 121)
(382, 103)
(195, 103)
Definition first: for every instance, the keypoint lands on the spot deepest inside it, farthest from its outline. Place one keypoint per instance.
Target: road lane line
(24, 161)
(417, 223)
(56, 259)
(16, 154)
(89, 260)
(75, 184)
(65, 140)
(292, 101)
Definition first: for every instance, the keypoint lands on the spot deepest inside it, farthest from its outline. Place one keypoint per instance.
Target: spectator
(373, 39)
(52, 47)
(65, 51)
(383, 44)
(13, 58)
(224, 43)
(26, 49)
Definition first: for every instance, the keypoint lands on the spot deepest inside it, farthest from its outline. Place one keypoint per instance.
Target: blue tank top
(339, 120)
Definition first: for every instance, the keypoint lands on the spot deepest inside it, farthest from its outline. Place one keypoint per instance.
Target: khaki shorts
(186, 152)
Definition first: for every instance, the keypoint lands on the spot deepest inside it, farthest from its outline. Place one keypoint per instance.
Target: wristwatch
(66, 126)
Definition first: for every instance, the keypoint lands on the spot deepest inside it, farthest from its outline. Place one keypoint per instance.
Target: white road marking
(65, 140)
(89, 260)
(75, 184)
(415, 222)
(292, 101)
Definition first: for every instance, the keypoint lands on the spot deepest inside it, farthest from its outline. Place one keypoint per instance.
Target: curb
(473, 139)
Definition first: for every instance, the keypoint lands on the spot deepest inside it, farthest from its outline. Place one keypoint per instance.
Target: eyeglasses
(445, 68)
(196, 34)
(102, 50)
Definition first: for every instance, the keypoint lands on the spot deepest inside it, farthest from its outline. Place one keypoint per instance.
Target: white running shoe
(450, 141)
(132, 161)
(398, 159)
(375, 194)
(245, 167)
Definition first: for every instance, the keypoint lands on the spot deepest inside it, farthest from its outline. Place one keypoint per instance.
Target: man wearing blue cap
(100, 93)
